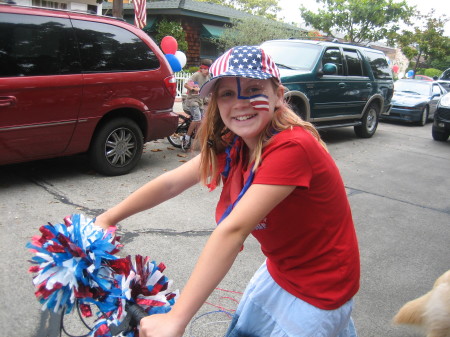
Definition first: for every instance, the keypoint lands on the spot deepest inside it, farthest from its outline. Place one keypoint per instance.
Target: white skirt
(267, 310)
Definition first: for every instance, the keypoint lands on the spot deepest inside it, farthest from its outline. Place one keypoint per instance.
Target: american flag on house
(140, 13)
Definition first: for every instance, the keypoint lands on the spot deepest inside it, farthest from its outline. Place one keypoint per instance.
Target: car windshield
(412, 87)
(446, 75)
(293, 55)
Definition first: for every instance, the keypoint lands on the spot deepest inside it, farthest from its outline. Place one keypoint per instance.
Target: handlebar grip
(136, 312)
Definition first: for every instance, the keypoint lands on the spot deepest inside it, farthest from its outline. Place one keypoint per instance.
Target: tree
(171, 28)
(265, 8)
(254, 31)
(426, 44)
(361, 21)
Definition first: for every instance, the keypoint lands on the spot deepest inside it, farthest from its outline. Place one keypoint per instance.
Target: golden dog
(430, 311)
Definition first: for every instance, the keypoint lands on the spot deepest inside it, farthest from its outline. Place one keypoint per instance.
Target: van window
(379, 65)
(109, 48)
(36, 45)
(354, 63)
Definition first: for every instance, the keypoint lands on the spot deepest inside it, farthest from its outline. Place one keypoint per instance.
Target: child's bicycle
(75, 325)
(78, 275)
(176, 138)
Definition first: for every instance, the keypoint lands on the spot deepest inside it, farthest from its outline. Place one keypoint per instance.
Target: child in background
(194, 102)
(281, 185)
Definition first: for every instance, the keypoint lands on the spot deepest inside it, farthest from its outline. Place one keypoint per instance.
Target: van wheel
(369, 122)
(117, 147)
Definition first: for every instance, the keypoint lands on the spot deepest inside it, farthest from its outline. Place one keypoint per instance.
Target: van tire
(369, 122)
(117, 147)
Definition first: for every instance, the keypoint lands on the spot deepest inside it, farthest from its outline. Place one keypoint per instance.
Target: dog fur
(430, 311)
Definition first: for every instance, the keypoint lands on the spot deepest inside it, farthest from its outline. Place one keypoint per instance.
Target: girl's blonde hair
(214, 137)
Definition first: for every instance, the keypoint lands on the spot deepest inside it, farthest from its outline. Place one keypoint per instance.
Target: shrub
(431, 72)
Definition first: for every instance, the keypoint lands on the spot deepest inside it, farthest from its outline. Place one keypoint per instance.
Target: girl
(279, 184)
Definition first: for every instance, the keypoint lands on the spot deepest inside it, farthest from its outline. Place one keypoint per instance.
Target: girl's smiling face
(247, 105)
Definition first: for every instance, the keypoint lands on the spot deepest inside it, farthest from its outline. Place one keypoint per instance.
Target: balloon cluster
(75, 261)
(176, 58)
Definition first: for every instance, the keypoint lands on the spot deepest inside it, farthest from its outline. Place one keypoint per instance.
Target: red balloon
(395, 68)
(169, 45)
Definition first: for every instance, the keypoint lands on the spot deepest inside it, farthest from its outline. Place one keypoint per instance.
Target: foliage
(191, 70)
(431, 72)
(171, 28)
(254, 31)
(441, 64)
(423, 45)
(361, 21)
(265, 8)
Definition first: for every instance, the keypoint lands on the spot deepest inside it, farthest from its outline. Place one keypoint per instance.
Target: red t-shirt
(309, 238)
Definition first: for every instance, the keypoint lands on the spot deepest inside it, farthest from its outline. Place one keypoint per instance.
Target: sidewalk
(177, 107)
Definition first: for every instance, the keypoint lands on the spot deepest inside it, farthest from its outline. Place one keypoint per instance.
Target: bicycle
(129, 325)
(76, 266)
(176, 138)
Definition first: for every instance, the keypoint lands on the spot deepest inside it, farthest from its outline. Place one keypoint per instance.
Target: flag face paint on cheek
(259, 102)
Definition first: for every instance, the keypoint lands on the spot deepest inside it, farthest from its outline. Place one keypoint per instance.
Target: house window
(208, 50)
(49, 4)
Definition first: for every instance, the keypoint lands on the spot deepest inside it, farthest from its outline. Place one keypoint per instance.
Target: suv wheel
(424, 117)
(117, 147)
(439, 135)
(369, 122)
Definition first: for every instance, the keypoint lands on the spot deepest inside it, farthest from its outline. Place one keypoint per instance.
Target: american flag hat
(242, 61)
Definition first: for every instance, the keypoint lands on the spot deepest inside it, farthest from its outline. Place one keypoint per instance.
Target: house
(201, 21)
(77, 5)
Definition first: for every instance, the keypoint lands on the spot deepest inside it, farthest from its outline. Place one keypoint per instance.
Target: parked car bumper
(404, 114)
(160, 124)
(442, 121)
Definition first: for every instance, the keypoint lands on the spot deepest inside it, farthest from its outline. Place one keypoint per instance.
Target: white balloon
(181, 57)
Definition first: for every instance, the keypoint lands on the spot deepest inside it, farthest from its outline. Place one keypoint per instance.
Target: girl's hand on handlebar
(160, 325)
(101, 222)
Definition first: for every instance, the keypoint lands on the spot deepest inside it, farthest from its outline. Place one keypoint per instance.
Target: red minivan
(73, 83)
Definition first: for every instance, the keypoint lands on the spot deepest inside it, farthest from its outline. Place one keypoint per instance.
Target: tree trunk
(117, 10)
(417, 63)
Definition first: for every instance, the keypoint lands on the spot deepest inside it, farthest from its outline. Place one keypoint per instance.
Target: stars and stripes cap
(241, 61)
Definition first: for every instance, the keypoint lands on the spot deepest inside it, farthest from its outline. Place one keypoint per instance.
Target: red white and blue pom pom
(75, 260)
(140, 281)
(70, 262)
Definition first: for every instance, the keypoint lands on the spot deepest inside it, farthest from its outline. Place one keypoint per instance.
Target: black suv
(444, 79)
(441, 123)
(334, 84)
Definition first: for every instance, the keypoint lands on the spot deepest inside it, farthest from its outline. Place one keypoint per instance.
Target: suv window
(108, 48)
(445, 75)
(42, 46)
(333, 55)
(290, 56)
(379, 65)
(354, 63)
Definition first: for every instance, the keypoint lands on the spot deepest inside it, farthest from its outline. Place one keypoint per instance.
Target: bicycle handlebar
(134, 315)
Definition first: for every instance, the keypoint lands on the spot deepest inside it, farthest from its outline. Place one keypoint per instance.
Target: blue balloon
(410, 73)
(174, 63)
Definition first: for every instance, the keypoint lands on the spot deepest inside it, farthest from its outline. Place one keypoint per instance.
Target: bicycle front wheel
(175, 139)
